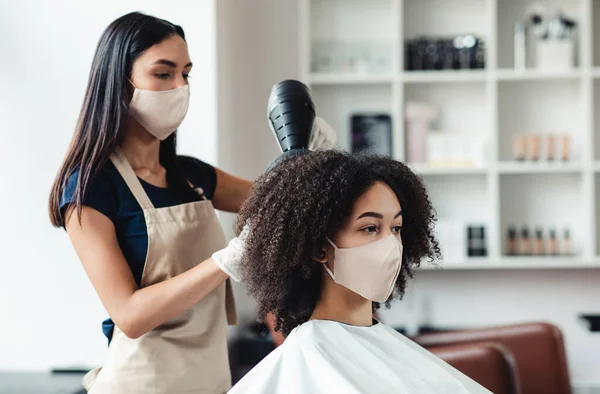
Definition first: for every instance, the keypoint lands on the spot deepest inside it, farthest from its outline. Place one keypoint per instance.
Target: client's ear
(321, 257)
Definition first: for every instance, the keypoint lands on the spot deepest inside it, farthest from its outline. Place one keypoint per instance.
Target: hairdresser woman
(142, 219)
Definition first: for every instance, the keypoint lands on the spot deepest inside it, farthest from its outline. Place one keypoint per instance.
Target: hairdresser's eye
(369, 229)
(396, 229)
(186, 76)
(163, 75)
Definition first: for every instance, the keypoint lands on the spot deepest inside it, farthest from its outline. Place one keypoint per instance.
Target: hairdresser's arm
(135, 311)
(231, 192)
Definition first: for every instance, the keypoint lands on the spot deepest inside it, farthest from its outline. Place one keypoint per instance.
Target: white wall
(50, 314)
(257, 46)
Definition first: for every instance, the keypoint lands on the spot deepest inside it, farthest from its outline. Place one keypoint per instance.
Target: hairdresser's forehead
(173, 48)
(379, 198)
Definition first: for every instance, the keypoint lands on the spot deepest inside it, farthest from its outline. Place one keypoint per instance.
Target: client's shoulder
(278, 372)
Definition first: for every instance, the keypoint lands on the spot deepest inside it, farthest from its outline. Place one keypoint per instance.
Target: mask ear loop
(132, 92)
(331, 242)
(329, 272)
(326, 267)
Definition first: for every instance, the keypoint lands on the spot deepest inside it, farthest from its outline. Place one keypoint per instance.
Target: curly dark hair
(303, 200)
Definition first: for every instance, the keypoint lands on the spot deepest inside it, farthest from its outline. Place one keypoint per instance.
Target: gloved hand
(230, 258)
(322, 137)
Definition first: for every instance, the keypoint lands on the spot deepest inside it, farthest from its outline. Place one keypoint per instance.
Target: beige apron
(187, 354)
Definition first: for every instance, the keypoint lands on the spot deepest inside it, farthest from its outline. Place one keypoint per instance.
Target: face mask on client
(369, 270)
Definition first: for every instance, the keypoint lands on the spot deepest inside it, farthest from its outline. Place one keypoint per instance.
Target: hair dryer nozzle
(286, 155)
(291, 113)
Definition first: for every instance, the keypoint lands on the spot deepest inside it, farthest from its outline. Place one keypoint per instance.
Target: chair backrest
(490, 364)
(538, 349)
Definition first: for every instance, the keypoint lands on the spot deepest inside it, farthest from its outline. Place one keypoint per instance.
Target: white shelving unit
(510, 167)
(349, 79)
(514, 263)
(497, 102)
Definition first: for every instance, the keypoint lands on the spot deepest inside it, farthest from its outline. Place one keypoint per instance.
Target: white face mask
(160, 112)
(369, 270)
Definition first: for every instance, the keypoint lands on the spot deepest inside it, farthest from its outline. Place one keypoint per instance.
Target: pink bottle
(419, 116)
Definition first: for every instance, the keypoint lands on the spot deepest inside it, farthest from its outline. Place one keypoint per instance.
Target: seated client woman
(331, 236)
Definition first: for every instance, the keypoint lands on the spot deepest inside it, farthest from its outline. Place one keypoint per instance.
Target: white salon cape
(322, 356)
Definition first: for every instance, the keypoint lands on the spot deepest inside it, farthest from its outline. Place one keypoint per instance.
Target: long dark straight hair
(103, 117)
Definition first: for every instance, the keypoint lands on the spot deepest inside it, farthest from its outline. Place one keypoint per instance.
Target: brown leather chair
(490, 364)
(538, 349)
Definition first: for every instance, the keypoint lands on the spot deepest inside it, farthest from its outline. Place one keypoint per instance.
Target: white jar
(555, 55)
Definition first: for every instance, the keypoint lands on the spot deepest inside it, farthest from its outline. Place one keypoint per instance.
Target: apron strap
(199, 191)
(122, 164)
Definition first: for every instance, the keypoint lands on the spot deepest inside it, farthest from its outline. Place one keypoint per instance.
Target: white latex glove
(230, 258)
(322, 137)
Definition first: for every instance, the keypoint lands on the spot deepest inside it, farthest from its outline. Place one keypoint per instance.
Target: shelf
(596, 209)
(444, 76)
(541, 167)
(507, 167)
(424, 169)
(595, 118)
(349, 79)
(536, 75)
(515, 263)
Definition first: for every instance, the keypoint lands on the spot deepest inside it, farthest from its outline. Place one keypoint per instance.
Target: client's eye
(369, 229)
(396, 229)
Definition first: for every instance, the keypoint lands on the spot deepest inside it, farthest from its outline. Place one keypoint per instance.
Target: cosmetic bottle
(553, 245)
(550, 147)
(476, 241)
(511, 245)
(534, 147)
(520, 35)
(567, 248)
(538, 247)
(483, 245)
(519, 147)
(565, 147)
(525, 243)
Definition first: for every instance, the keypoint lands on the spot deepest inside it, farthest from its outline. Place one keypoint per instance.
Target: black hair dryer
(291, 114)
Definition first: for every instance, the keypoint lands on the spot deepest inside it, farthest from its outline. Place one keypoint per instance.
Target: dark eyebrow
(370, 214)
(170, 63)
(376, 215)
